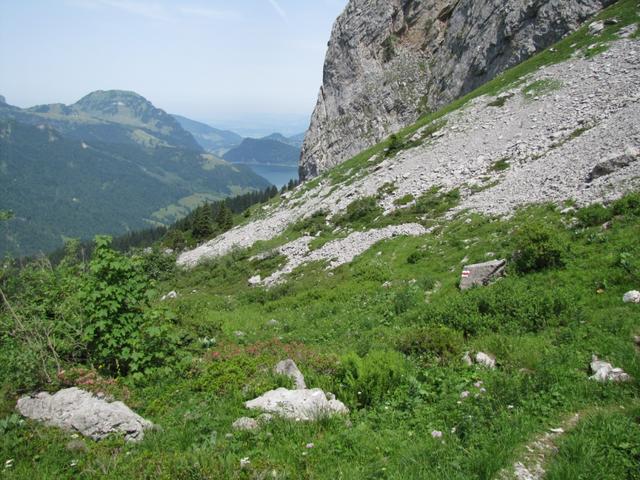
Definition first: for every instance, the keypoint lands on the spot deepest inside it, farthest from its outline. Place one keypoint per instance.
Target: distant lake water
(277, 175)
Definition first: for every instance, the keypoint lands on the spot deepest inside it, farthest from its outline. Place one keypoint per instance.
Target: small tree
(224, 219)
(203, 222)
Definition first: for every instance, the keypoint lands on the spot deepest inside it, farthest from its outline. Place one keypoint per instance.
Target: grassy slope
(543, 328)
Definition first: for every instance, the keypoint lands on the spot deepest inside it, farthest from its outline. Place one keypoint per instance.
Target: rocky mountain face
(390, 61)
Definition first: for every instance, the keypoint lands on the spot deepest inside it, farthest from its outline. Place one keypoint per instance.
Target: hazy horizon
(253, 67)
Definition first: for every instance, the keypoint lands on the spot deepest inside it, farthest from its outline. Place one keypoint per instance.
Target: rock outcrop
(481, 274)
(389, 61)
(289, 369)
(77, 410)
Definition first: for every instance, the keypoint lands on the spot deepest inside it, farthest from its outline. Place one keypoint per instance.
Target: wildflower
(74, 463)
(478, 384)
(310, 445)
(465, 394)
(436, 434)
(8, 463)
(245, 462)
(483, 390)
(453, 430)
(510, 407)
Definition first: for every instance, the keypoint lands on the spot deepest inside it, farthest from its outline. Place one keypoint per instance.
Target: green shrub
(538, 247)
(434, 203)
(315, 223)
(416, 256)
(366, 381)
(122, 334)
(362, 210)
(627, 205)
(594, 215)
(434, 340)
(406, 299)
(507, 306)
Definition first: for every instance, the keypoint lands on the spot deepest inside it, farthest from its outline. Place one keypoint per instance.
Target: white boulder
(305, 405)
(631, 297)
(485, 360)
(77, 410)
(605, 372)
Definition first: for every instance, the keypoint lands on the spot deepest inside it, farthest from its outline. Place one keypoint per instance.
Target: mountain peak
(112, 101)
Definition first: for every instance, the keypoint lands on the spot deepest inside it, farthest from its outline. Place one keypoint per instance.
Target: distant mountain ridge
(113, 116)
(211, 139)
(271, 150)
(109, 163)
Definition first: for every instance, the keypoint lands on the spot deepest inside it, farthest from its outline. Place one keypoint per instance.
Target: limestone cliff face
(389, 61)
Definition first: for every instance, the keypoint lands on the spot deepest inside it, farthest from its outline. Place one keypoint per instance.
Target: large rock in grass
(631, 297)
(77, 410)
(305, 405)
(605, 372)
(290, 369)
(482, 274)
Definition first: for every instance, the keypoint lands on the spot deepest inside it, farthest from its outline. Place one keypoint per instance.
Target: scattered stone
(245, 463)
(172, 295)
(631, 297)
(255, 280)
(605, 372)
(273, 323)
(628, 31)
(485, 360)
(304, 405)
(290, 369)
(596, 28)
(76, 446)
(386, 284)
(482, 274)
(239, 333)
(636, 339)
(245, 423)
(77, 410)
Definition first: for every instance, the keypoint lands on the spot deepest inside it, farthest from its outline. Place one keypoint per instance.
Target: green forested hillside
(263, 151)
(60, 187)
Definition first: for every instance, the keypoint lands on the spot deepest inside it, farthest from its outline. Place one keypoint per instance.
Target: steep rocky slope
(388, 62)
(568, 131)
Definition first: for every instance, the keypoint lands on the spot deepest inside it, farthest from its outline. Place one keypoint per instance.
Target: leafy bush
(433, 340)
(537, 248)
(594, 215)
(366, 381)
(123, 335)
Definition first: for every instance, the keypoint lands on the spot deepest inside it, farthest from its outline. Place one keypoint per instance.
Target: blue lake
(277, 175)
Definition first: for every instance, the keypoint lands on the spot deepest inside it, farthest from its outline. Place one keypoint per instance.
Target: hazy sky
(221, 61)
